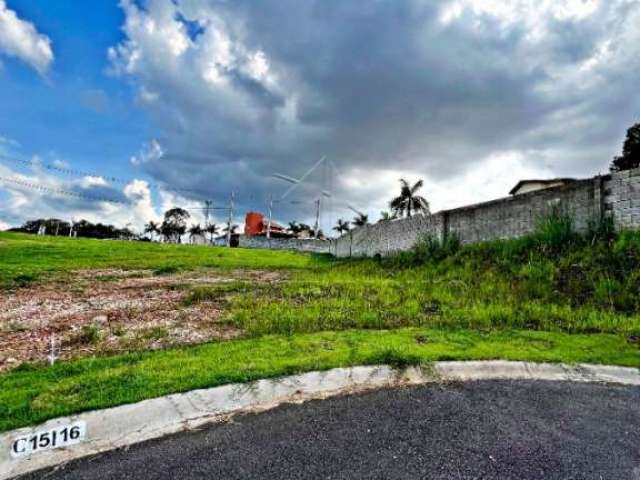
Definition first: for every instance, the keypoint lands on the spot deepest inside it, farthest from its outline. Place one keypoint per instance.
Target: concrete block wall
(617, 194)
(301, 245)
(622, 197)
(387, 237)
(518, 215)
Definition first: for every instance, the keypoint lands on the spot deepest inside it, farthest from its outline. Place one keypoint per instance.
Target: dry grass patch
(106, 311)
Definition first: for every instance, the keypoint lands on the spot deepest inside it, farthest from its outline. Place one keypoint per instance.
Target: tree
(233, 229)
(194, 231)
(361, 220)
(151, 228)
(408, 202)
(212, 229)
(630, 151)
(342, 226)
(81, 228)
(294, 227)
(386, 216)
(174, 224)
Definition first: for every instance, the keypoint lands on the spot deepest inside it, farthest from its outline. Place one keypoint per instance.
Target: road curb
(129, 424)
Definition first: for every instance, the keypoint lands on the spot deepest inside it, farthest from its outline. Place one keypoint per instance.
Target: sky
(151, 104)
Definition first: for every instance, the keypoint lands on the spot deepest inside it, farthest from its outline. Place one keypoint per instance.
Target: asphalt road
(501, 430)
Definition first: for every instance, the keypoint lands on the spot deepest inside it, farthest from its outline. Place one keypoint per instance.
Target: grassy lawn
(27, 258)
(30, 395)
(553, 296)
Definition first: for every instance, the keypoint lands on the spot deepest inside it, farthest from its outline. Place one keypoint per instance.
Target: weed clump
(89, 334)
(394, 358)
(218, 292)
(24, 279)
(166, 270)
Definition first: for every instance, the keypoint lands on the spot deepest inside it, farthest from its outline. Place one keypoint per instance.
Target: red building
(256, 224)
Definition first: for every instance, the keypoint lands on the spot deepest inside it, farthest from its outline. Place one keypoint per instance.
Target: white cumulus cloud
(19, 38)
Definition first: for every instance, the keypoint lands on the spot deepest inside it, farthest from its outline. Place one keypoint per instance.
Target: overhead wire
(60, 191)
(108, 178)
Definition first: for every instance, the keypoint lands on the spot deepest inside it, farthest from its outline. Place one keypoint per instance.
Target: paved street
(488, 430)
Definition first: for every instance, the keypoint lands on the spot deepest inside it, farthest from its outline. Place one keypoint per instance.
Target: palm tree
(212, 230)
(361, 220)
(151, 228)
(194, 231)
(233, 229)
(408, 202)
(342, 226)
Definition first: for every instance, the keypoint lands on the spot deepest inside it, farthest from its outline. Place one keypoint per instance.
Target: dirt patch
(105, 311)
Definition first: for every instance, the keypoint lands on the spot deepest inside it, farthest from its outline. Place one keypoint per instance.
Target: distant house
(526, 186)
(256, 225)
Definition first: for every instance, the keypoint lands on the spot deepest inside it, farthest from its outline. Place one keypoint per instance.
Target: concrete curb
(129, 424)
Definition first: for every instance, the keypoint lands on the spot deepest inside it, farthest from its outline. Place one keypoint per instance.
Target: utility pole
(317, 225)
(270, 213)
(230, 219)
(207, 205)
(57, 228)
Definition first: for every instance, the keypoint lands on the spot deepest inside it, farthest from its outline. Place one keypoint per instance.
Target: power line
(81, 173)
(60, 191)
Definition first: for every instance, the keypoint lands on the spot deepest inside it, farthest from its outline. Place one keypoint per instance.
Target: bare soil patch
(108, 311)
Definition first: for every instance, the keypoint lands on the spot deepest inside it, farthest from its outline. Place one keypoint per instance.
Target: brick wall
(617, 194)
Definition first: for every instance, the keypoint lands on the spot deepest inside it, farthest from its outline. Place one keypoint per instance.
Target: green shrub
(427, 249)
(601, 229)
(555, 230)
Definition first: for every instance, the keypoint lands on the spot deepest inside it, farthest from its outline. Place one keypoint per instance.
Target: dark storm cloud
(379, 85)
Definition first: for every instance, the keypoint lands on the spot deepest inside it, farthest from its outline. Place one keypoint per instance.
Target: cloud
(35, 193)
(20, 39)
(455, 92)
(8, 142)
(149, 153)
(24, 201)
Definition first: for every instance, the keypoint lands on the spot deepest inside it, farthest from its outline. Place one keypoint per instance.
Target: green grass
(27, 258)
(32, 394)
(552, 296)
(552, 281)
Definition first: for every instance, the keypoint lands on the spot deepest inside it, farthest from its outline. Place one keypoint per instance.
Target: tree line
(174, 226)
(81, 228)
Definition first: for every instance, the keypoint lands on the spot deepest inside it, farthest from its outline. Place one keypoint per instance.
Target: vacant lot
(110, 311)
(86, 297)
(137, 309)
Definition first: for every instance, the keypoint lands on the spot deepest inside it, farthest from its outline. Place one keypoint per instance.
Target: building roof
(546, 181)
